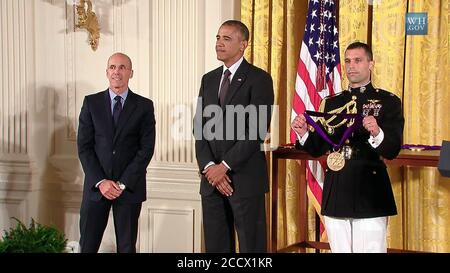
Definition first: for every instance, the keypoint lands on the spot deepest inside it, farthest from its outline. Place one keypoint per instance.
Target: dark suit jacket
(250, 86)
(362, 188)
(119, 155)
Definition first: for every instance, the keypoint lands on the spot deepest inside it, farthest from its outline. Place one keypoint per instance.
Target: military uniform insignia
(331, 123)
(374, 106)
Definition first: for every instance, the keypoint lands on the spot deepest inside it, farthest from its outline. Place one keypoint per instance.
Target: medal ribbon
(420, 146)
(357, 123)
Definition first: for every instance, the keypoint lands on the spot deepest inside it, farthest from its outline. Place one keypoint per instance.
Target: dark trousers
(94, 218)
(223, 215)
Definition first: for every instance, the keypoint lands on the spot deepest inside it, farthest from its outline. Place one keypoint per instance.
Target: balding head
(122, 55)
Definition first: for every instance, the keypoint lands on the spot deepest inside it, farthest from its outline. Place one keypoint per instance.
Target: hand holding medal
(299, 125)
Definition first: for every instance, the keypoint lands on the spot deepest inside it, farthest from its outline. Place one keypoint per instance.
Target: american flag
(318, 76)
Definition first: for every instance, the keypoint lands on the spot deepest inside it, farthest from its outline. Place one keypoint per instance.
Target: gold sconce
(88, 20)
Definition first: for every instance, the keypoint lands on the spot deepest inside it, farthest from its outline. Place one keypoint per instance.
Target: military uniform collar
(361, 89)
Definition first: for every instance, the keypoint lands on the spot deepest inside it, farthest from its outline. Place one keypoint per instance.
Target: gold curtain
(276, 28)
(414, 68)
(426, 104)
(388, 45)
(353, 28)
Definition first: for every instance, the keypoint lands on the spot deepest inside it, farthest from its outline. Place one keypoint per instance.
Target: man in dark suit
(116, 140)
(232, 163)
(357, 194)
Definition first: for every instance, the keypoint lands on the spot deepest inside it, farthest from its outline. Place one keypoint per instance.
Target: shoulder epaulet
(322, 103)
(335, 95)
(383, 92)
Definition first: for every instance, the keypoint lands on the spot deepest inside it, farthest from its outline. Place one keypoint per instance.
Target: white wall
(47, 69)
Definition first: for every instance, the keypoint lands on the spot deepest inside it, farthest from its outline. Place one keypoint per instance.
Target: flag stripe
(311, 89)
(302, 97)
(305, 57)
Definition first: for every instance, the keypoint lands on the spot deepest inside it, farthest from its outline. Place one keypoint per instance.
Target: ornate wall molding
(14, 36)
(164, 234)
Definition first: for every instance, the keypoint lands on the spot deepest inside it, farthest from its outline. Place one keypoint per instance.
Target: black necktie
(117, 109)
(224, 87)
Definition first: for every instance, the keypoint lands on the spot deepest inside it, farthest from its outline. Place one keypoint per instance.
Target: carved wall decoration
(88, 20)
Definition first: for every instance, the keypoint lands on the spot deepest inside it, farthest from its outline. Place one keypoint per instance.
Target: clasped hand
(110, 190)
(217, 176)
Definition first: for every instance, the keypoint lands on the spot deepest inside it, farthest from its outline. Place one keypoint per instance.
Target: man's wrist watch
(121, 185)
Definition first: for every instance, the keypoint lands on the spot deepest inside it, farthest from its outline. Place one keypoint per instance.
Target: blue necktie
(117, 109)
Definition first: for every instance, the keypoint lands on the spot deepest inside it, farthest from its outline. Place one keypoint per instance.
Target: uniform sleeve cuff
(303, 139)
(376, 141)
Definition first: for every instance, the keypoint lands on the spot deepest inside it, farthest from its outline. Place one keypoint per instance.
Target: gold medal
(335, 161)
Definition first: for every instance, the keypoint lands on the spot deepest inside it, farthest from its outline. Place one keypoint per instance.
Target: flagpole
(317, 224)
(369, 24)
(336, 2)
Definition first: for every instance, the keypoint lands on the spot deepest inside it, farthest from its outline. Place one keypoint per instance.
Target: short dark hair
(364, 46)
(243, 29)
